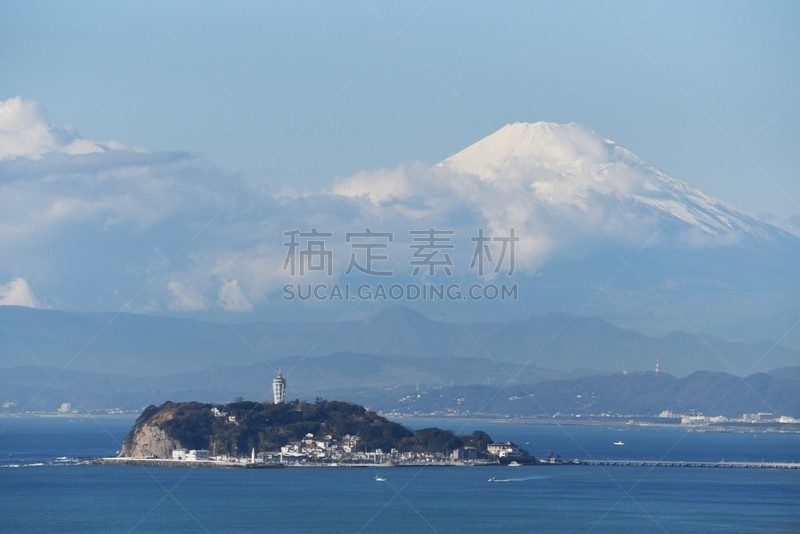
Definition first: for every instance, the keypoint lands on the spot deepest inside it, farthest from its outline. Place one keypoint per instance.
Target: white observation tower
(279, 388)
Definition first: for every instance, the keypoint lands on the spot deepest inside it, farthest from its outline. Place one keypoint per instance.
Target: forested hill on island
(240, 427)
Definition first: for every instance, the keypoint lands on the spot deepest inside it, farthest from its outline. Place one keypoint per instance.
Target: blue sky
(301, 93)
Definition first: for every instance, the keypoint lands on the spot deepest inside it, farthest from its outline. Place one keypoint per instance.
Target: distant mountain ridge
(34, 389)
(158, 346)
(646, 394)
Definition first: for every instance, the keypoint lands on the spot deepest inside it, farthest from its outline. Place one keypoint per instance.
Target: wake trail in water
(55, 462)
(520, 479)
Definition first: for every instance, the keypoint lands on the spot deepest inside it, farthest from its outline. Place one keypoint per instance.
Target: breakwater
(678, 463)
(186, 463)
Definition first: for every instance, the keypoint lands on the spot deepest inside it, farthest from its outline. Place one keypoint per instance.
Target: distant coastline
(78, 415)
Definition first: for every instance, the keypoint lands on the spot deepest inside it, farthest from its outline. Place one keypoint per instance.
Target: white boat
(514, 464)
(379, 478)
(492, 479)
(619, 443)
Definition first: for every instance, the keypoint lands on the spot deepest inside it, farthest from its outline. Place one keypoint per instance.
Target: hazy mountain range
(106, 360)
(644, 393)
(158, 346)
(626, 394)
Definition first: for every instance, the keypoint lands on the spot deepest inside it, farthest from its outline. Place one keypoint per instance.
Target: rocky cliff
(149, 437)
(149, 441)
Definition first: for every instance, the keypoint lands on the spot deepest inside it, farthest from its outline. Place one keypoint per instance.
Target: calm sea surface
(46, 487)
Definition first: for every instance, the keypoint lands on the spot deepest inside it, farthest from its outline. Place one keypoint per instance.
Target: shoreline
(159, 462)
(164, 462)
(785, 428)
(213, 464)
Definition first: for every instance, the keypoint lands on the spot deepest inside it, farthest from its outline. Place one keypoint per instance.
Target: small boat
(492, 479)
(379, 478)
(619, 443)
(514, 464)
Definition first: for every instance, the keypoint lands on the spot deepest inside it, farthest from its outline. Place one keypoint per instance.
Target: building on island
(279, 388)
(503, 450)
(198, 455)
(467, 453)
(190, 455)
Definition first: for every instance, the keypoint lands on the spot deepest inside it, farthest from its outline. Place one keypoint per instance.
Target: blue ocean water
(46, 487)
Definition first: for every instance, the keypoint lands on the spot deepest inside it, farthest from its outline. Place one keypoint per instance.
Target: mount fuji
(604, 233)
(568, 167)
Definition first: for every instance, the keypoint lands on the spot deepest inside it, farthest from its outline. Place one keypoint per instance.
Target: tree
(436, 440)
(478, 439)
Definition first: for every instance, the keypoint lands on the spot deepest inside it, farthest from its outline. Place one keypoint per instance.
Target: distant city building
(694, 420)
(760, 417)
(279, 388)
(65, 407)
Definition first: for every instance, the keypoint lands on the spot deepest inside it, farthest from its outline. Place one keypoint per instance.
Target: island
(299, 433)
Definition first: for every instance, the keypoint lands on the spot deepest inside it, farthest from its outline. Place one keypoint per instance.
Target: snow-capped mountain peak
(529, 146)
(568, 165)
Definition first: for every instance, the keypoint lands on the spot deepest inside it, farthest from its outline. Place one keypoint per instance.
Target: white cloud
(379, 187)
(186, 298)
(102, 226)
(26, 132)
(82, 146)
(233, 299)
(18, 293)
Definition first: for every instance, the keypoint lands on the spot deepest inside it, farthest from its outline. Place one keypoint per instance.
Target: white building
(503, 450)
(279, 388)
(195, 455)
(190, 455)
